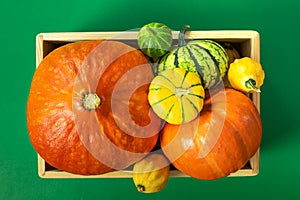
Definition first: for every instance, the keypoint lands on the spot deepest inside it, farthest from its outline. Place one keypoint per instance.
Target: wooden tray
(247, 43)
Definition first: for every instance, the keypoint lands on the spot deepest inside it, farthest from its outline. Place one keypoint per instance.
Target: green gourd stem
(252, 85)
(181, 41)
(90, 101)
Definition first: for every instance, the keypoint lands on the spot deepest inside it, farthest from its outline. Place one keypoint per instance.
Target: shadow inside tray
(48, 167)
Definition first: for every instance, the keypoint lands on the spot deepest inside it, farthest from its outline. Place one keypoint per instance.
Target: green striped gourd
(176, 95)
(206, 57)
(155, 39)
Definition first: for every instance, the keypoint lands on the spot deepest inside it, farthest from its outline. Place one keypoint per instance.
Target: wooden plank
(39, 49)
(41, 166)
(235, 35)
(251, 47)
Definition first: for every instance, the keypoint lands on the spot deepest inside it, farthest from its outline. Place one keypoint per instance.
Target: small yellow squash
(246, 75)
(151, 173)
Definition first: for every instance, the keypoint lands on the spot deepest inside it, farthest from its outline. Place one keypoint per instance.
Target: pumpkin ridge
(241, 148)
(216, 170)
(240, 141)
(245, 137)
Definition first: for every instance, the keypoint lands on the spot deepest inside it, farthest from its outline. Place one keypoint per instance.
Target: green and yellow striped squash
(206, 57)
(154, 39)
(176, 95)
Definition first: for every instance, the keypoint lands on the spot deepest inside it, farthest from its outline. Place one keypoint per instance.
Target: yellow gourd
(151, 173)
(176, 95)
(246, 75)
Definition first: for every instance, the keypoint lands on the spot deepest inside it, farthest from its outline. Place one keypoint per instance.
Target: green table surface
(278, 25)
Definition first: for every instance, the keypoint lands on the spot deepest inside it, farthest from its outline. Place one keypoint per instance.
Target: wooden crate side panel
(45, 44)
(255, 54)
(232, 35)
(39, 49)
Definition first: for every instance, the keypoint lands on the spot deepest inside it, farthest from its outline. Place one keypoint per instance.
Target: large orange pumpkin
(87, 110)
(220, 141)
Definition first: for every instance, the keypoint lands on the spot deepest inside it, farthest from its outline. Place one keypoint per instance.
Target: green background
(277, 23)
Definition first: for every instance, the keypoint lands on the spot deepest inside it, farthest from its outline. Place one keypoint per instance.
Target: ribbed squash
(206, 57)
(220, 141)
(176, 95)
(87, 112)
(151, 173)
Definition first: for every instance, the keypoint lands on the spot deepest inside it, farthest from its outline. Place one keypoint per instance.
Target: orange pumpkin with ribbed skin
(88, 140)
(220, 141)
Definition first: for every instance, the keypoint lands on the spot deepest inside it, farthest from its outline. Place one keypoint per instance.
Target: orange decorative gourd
(220, 141)
(87, 110)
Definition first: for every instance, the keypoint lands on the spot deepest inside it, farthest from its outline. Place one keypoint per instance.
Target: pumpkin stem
(181, 41)
(252, 85)
(90, 101)
(179, 92)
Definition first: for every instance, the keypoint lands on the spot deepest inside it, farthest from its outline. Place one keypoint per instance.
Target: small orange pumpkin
(87, 113)
(220, 141)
